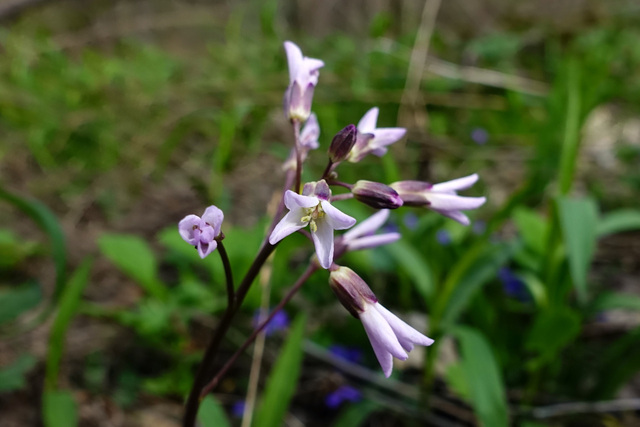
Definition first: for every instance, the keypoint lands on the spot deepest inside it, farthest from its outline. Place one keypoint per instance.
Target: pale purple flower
(363, 236)
(202, 232)
(372, 140)
(342, 394)
(303, 78)
(389, 336)
(308, 141)
(442, 198)
(312, 208)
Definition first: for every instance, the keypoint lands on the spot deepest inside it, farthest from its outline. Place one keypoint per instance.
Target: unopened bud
(376, 195)
(351, 290)
(412, 193)
(342, 143)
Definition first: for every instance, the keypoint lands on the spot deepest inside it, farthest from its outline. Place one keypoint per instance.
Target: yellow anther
(313, 226)
(305, 218)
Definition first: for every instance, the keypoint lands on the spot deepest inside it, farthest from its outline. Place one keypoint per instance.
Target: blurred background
(118, 118)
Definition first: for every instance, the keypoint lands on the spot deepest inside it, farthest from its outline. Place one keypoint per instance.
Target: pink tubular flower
(202, 232)
(442, 198)
(372, 140)
(303, 78)
(363, 236)
(313, 208)
(389, 336)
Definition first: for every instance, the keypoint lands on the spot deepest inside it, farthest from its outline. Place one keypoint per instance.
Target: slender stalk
(340, 183)
(296, 132)
(303, 278)
(327, 170)
(345, 196)
(227, 273)
(205, 369)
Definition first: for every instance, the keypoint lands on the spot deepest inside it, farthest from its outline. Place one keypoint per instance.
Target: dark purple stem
(303, 278)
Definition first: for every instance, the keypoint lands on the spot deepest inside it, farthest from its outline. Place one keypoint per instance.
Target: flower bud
(351, 290)
(342, 144)
(412, 193)
(376, 195)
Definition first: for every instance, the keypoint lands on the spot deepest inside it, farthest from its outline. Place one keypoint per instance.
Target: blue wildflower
(279, 322)
(237, 409)
(480, 136)
(512, 285)
(443, 237)
(342, 394)
(351, 354)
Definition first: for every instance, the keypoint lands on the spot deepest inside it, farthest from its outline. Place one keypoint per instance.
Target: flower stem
(303, 278)
(296, 132)
(227, 273)
(205, 369)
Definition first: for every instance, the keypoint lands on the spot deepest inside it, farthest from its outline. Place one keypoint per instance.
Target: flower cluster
(312, 205)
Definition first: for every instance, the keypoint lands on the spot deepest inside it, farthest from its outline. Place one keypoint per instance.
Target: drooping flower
(363, 236)
(442, 198)
(342, 394)
(303, 78)
(312, 208)
(202, 232)
(389, 336)
(372, 140)
(308, 141)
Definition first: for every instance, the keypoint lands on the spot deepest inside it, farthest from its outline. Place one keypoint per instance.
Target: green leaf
(619, 221)
(483, 376)
(283, 378)
(43, 216)
(468, 276)
(69, 301)
(571, 137)
(532, 227)
(615, 300)
(355, 415)
(552, 330)
(134, 257)
(415, 266)
(14, 302)
(12, 376)
(211, 413)
(579, 220)
(59, 409)
(620, 363)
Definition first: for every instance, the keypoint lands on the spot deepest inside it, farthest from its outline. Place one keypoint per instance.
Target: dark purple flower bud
(342, 143)
(351, 290)
(376, 195)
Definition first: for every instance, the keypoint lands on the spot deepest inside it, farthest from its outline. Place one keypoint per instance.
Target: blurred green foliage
(515, 294)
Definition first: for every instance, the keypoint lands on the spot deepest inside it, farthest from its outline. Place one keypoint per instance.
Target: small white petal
(386, 136)
(455, 215)
(368, 242)
(293, 200)
(383, 340)
(456, 184)
(452, 202)
(323, 241)
(291, 223)
(336, 219)
(368, 226)
(294, 59)
(407, 336)
(368, 122)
